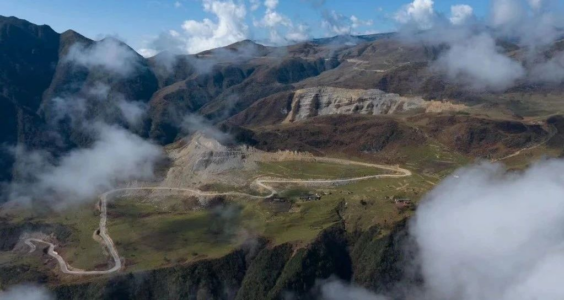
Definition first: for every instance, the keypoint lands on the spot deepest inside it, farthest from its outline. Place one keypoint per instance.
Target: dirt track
(67, 269)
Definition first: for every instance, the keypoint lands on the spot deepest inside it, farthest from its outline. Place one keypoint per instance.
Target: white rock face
(320, 101)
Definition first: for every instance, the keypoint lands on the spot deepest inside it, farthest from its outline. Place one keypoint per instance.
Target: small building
(310, 197)
(403, 203)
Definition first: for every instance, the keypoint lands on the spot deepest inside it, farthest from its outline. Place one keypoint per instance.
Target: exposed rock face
(201, 158)
(321, 101)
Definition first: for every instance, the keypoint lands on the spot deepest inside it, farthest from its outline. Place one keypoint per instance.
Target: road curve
(109, 243)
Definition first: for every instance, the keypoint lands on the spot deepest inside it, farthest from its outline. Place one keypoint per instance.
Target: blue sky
(138, 22)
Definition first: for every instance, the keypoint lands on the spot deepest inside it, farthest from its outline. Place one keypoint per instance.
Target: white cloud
(477, 63)
(110, 104)
(335, 23)
(109, 54)
(461, 14)
(506, 12)
(228, 28)
(255, 4)
(536, 4)
(177, 4)
(26, 292)
(551, 71)
(271, 4)
(146, 52)
(298, 33)
(132, 111)
(337, 290)
(282, 29)
(116, 156)
(356, 22)
(419, 13)
(193, 123)
(486, 234)
(533, 24)
(272, 19)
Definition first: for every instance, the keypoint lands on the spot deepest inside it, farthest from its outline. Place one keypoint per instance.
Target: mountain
(28, 57)
(244, 84)
(371, 99)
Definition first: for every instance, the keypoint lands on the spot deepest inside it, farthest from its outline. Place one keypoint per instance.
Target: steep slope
(482, 137)
(228, 86)
(170, 104)
(345, 134)
(100, 86)
(329, 101)
(386, 137)
(36, 76)
(27, 59)
(273, 273)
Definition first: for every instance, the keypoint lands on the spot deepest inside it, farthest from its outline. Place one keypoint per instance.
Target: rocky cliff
(321, 101)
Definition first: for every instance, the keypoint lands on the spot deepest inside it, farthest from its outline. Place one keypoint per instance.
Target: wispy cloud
(26, 292)
(474, 59)
(109, 54)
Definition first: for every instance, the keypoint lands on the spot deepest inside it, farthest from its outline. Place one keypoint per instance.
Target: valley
(284, 197)
(354, 164)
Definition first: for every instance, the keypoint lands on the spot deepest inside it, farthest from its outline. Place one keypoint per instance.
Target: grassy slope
(315, 170)
(150, 236)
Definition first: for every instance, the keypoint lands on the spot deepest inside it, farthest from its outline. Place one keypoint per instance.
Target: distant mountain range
(243, 85)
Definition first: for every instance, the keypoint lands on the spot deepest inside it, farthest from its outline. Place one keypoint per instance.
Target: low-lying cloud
(108, 54)
(551, 70)
(193, 123)
(475, 58)
(461, 14)
(486, 233)
(477, 63)
(96, 102)
(489, 234)
(26, 292)
(97, 119)
(334, 289)
(116, 156)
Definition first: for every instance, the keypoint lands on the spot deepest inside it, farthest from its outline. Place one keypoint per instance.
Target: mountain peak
(18, 28)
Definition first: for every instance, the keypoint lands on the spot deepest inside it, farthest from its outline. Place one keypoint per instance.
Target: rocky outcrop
(321, 101)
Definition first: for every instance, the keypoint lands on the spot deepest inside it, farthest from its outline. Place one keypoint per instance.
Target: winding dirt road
(109, 243)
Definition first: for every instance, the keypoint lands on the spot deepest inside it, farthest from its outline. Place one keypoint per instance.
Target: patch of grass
(301, 224)
(155, 240)
(527, 157)
(315, 170)
(225, 188)
(81, 251)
